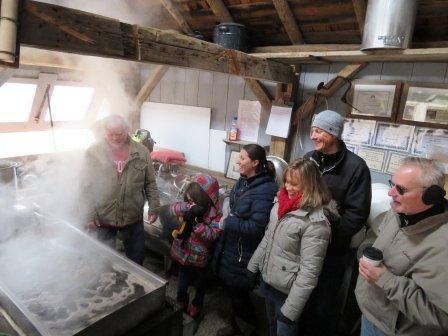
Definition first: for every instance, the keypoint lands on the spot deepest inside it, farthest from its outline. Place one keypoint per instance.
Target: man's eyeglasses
(400, 189)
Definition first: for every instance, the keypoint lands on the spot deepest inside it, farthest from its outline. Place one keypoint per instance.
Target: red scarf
(286, 204)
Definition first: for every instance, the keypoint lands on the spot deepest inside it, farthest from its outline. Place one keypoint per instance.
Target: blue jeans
(369, 329)
(133, 237)
(274, 301)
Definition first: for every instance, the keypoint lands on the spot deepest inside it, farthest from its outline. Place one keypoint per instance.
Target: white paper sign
(279, 120)
(249, 112)
(393, 136)
(357, 131)
(430, 141)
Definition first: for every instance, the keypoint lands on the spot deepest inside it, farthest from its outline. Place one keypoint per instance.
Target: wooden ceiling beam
(289, 21)
(178, 17)
(407, 55)
(220, 10)
(360, 7)
(52, 27)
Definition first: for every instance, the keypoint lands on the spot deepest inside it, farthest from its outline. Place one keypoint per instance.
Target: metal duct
(8, 30)
(389, 24)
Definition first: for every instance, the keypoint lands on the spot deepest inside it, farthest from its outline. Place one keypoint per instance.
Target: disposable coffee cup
(373, 255)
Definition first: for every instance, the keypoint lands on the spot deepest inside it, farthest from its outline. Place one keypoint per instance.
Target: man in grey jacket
(407, 293)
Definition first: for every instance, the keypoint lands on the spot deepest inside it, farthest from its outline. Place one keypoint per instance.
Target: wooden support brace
(220, 10)
(260, 92)
(307, 109)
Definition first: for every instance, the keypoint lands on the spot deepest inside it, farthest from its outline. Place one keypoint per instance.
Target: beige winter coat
(117, 201)
(412, 297)
(291, 254)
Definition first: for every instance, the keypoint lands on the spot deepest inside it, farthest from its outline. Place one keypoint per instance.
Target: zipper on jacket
(240, 249)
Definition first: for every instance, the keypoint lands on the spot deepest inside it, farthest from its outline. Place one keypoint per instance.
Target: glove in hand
(284, 319)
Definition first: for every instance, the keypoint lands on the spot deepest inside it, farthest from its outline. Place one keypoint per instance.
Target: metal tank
(389, 24)
(58, 281)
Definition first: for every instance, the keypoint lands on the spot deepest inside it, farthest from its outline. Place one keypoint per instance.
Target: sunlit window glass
(69, 103)
(16, 100)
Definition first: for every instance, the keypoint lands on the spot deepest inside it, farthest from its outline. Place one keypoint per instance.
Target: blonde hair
(305, 173)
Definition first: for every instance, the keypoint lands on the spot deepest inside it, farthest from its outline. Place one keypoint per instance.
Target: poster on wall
(358, 131)
(374, 157)
(394, 161)
(249, 112)
(428, 141)
(393, 136)
(279, 120)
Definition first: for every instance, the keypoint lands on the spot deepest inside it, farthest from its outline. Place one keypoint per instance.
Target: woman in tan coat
(291, 254)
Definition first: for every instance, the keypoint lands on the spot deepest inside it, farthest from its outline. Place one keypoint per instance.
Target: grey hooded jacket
(291, 254)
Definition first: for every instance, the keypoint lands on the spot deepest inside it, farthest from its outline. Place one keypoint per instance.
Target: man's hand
(152, 218)
(93, 225)
(369, 272)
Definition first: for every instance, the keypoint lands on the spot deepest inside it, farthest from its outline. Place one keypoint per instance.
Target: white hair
(116, 120)
(432, 172)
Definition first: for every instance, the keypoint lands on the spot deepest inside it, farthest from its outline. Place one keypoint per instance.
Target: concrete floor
(217, 305)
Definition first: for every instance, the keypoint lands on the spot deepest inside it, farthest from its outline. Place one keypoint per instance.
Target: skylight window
(16, 100)
(69, 103)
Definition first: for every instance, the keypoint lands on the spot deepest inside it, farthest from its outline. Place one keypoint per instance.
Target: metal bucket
(231, 35)
(389, 24)
(8, 172)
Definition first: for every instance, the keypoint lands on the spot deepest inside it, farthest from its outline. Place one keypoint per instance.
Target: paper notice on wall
(249, 112)
(357, 131)
(279, 120)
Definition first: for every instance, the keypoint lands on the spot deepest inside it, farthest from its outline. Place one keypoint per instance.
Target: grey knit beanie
(330, 121)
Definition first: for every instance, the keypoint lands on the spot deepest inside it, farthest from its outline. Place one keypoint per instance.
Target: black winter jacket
(350, 184)
(251, 201)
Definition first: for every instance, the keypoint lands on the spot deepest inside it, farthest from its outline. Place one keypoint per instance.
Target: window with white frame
(69, 103)
(71, 107)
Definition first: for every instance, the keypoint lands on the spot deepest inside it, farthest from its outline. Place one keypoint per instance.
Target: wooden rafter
(406, 55)
(152, 81)
(41, 29)
(260, 92)
(175, 13)
(360, 7)
(289, 21)
(220, 10)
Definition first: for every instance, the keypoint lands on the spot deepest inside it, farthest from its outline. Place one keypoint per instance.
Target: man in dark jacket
(348, 178)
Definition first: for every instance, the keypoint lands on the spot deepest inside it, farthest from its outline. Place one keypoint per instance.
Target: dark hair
(256, 152)
(195, 192)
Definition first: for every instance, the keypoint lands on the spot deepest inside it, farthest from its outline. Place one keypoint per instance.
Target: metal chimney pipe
(8, 30)
(389, 24)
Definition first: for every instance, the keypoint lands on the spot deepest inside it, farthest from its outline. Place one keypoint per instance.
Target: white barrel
(8, 30)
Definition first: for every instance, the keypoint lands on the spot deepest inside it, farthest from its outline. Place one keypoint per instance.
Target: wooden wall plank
(205, 89)
(397, 71)
(167, 87)
(191, 87)
(429, 72)
(235, 93)
(179, 86)
(219, 101)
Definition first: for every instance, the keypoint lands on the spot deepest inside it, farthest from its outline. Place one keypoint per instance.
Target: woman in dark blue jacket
(251, 200)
